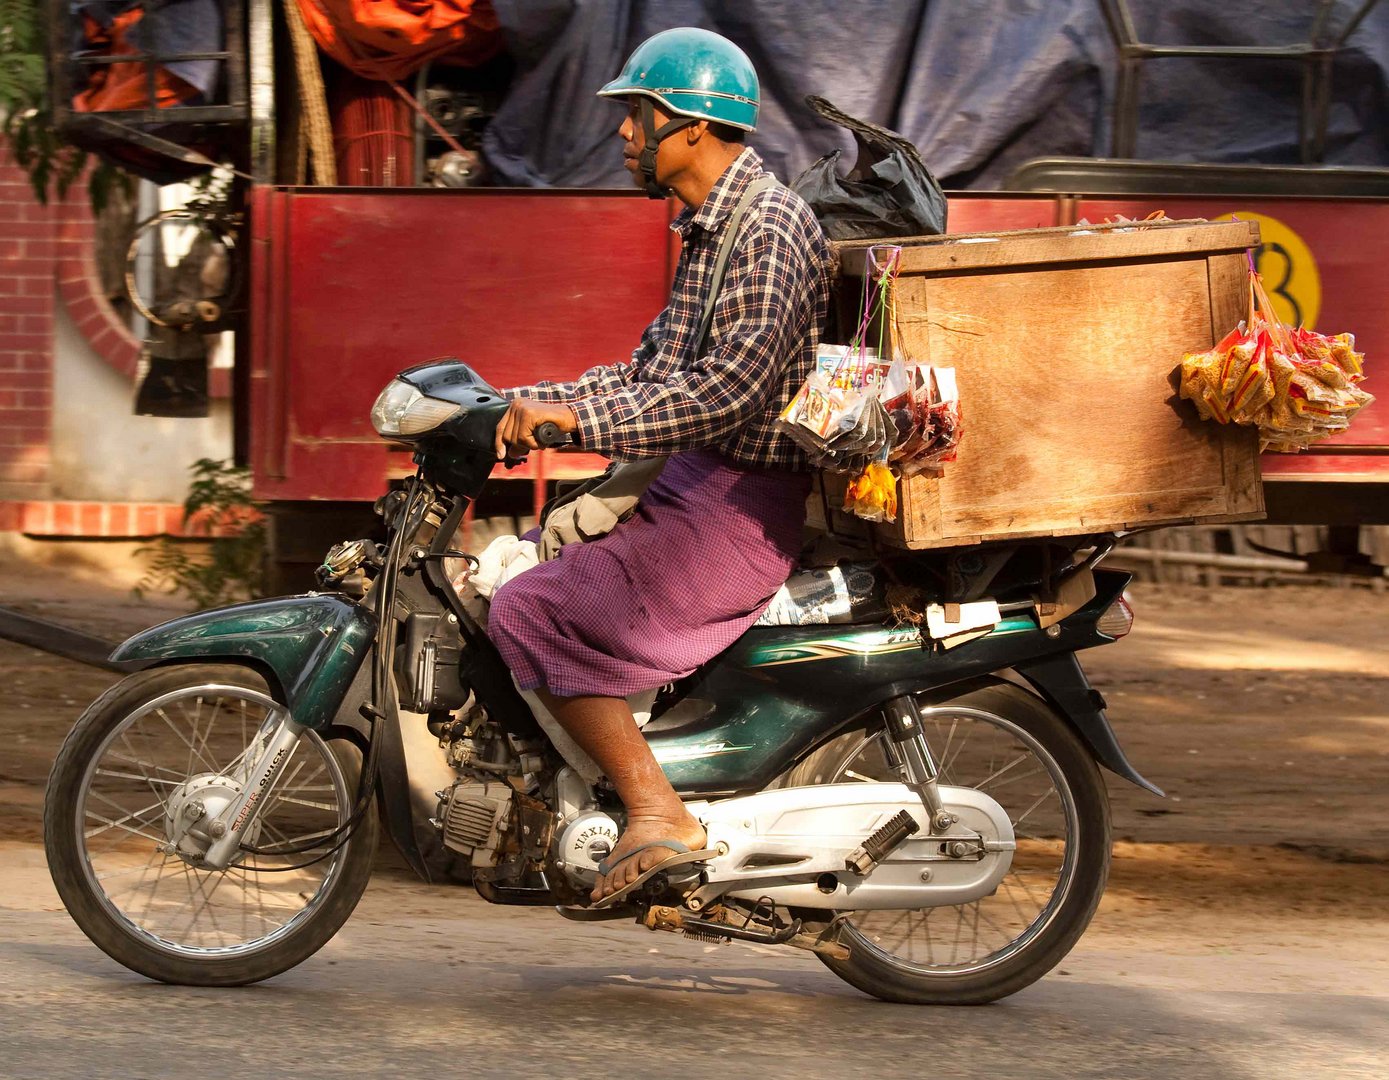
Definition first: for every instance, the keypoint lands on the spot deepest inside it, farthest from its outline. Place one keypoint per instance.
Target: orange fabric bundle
(1296, 386)
(392, 39)
(113, 87)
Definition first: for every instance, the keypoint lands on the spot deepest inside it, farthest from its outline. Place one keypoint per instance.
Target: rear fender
(1061, 681)
(312, 645)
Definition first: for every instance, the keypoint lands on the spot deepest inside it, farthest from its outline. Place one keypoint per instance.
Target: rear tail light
(1117, 619)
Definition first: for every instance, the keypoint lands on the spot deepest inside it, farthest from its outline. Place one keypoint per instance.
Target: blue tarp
(980, 86)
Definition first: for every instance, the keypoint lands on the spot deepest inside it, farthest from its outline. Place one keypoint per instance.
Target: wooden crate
(1067, 345)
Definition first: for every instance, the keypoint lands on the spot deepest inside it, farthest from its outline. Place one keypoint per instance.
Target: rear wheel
(1010, 745)
(167, 747)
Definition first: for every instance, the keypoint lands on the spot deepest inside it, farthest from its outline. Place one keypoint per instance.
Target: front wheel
(148, 760)
(1010, 745)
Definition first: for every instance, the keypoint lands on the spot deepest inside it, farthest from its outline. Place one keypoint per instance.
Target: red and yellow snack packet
(1294, 385)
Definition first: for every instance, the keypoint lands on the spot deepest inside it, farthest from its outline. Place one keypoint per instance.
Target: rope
(313, 99)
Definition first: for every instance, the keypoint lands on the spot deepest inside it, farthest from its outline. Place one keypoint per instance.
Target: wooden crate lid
(1067, 243)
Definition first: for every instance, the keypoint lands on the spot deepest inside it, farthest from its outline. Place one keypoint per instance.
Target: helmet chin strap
(647, 161)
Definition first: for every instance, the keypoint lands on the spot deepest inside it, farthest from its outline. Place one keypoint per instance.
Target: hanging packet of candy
(872, 495)
(1296, 386)
(936, 400)
(852, 368)
(818, 409)
(836, 416)
(901, 409)
(945, 419)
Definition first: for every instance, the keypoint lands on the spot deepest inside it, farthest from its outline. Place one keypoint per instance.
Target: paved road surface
(1243, 937)
(433, 982)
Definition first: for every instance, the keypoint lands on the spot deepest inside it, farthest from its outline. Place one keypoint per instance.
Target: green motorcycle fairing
(780, 691)
(313, 644)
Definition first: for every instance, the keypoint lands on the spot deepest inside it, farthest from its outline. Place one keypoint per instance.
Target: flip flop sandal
(682, 856)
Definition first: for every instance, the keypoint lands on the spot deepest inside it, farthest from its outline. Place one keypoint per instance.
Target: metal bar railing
(226, 102)
(1316, 55)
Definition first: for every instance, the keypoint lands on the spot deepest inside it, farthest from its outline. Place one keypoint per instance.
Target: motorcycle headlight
(401, 409)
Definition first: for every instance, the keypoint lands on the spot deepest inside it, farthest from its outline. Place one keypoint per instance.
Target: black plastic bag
(889, 191)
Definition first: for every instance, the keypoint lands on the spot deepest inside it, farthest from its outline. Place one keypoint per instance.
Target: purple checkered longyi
(661, 594)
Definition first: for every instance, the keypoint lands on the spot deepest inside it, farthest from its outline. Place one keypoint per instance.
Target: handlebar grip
(549, 434)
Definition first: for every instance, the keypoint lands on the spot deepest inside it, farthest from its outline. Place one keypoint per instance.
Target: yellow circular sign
(1289, 272)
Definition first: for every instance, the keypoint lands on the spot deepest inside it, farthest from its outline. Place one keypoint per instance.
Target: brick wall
(28, 251)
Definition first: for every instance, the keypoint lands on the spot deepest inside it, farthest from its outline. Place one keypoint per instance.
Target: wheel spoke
(1026, 813)
(207, 733)
(999, 772)
(950, 761)
(1017, 777)
(154, 890)
(159, 805)
(207, 895)
(192, 750)
(192, 741)
(1026, 918)
(132, 776)
(144, 766)
(305, 837)
(945, 751)
(300, 802)
(107, 824)
(140, 764)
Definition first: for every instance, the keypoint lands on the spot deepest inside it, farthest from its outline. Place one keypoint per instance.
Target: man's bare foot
(646, 830)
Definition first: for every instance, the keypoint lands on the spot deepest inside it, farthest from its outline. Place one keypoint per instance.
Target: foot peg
(716, 926)
(881, 844)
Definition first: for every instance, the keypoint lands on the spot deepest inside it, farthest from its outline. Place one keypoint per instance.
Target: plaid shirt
(761, 346)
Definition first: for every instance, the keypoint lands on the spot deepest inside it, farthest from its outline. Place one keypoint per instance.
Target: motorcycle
(930, 822)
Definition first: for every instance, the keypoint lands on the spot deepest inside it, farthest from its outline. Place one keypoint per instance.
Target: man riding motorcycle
(719, 531)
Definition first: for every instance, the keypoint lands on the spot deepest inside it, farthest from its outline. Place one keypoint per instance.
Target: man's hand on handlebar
(532, 425)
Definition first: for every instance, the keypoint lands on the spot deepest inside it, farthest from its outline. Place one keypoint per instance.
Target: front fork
(277, 738)
(906, 750)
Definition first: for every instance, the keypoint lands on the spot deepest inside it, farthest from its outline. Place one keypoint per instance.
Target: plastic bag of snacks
(838, 425)
(872, 495)
(930, 414)
(1296, 386)
(873, 417)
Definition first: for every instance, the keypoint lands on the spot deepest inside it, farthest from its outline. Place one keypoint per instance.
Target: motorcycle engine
(497, 827)
(475, 817)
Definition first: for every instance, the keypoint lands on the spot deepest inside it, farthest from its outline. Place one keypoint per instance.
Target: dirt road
(1243, 934)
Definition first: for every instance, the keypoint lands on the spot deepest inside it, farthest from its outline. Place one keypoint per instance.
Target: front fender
(313, 644)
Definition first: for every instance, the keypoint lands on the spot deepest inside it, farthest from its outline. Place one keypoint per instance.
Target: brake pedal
(881, 844)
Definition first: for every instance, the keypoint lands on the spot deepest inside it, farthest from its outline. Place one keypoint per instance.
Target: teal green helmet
(693, 73)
